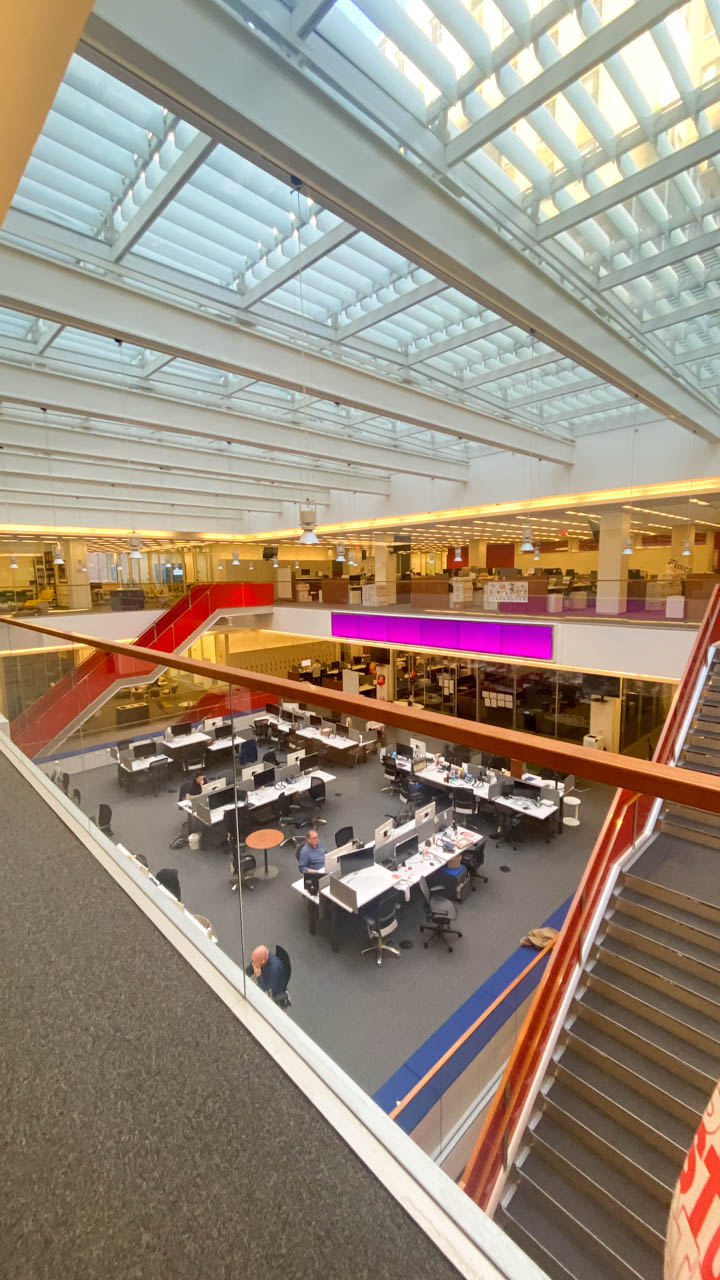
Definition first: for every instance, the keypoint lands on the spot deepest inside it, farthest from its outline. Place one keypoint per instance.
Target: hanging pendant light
(220, 566)
(527, 542)
(235, 557)
(628, 548)
(308, 520)
(13, 562)
(536, 554)
(135, 544)
(686, 548)
(340, 556)
(297, 564)
(275, 564)
(58, 556)
(458, 556)
(82, 567)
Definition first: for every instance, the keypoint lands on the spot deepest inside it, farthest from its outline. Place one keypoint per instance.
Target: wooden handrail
(689, 787)
(470, 1031)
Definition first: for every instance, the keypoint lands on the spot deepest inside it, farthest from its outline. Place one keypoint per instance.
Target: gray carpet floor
(145, 1133)
(368, 1018)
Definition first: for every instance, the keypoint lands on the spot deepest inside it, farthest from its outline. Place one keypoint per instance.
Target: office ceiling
(315, 356)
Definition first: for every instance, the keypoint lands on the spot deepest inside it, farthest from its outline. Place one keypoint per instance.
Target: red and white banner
(692, 1247)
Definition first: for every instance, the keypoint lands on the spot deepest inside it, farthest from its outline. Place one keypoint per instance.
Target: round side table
(265, 839)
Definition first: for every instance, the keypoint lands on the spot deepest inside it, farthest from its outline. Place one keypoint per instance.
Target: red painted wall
(501, 555)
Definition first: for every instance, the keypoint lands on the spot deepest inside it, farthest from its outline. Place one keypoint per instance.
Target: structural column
(612, 564)
(384, 574)
(77, 586)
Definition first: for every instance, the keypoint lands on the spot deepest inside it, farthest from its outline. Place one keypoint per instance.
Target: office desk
(266, 795)
(175, 746)
(370, 882)
(218, 745)
(131, 713)
(542, 812)
(129, 769)
(343, 747)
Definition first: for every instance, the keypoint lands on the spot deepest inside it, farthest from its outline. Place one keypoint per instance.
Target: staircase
(45, 724)
(632, 1032)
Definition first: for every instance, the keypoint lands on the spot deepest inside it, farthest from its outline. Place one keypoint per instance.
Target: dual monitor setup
(298, 717)
(389, 848)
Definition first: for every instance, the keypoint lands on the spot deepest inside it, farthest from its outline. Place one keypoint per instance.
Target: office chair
(76, 798)
(65, 782)
(246, 862)
(156, 772)
(472, 859)
(508, 823)
(390, 772)
(104, 819)
(313, 799)
(194, 761)
(412, 794)
(464, 803)
(262, 730)
(440, 914)
(283, 997)
(380, 923)
(343, 836)
(270, 757)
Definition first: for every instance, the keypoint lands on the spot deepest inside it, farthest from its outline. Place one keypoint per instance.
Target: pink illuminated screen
(503, 639)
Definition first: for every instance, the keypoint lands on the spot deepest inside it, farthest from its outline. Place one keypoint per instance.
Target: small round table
(265, 839)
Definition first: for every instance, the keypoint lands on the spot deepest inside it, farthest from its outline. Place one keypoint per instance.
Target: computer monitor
(425, 814)
(527, 789)
(264, 778)
(310, 762)
(402, 749)
(223, 731)
(311, 883)
(144, 749)
(341, 730)
(306, 664)
(383, 834)
(419, 748)
(272, 709)
(315, 721)
(180, 730)
(406, 849)
(220, 798)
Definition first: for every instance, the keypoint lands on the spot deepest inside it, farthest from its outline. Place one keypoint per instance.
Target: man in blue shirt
(269, 971)
(312, 854)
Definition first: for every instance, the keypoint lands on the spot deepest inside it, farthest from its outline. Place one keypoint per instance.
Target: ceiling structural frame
(157, 413)
(354, 173)
(61, 294)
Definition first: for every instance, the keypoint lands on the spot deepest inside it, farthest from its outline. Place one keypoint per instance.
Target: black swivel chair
(104, 819)
(474, 858)
(270, 757)
(380, 922)
(440, 914)
(343, 836)
(391, 773)
(194, 761)
(245, 863)
(262, 730)
(412, 794)
(314, 798)
(508, 823)
(464, 804)
(283, 997)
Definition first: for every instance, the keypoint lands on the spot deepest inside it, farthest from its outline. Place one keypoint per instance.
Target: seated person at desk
(268, 969)
(191, 786)
(312, 855)
(316, 671)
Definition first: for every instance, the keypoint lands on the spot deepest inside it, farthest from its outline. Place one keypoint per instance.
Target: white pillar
(76, 581)
(385, 572)
(612, 564)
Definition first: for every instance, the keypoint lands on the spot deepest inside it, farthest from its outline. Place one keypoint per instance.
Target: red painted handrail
(626, 818)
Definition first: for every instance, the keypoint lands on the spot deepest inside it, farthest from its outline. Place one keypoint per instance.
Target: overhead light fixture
(58, 556)
(527, 542)
(220, 566)
(235, 557)
(251, 567)
(82, 567)
(308, 520)
(628, 548)
(686, 548)
(13, 562)
(536, 555)
(340, 556)
(167, 564)
(275, 564)
(136, 544)
(458, 556)
(297, 564)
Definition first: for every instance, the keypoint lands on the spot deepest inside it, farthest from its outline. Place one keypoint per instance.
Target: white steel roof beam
(401, 303)
(592, 51)
(169, 486)
(64, 294)
(123, 498)
(21, 385)
(184, 167)
(358, 176)
(307, 14)
(656, 261)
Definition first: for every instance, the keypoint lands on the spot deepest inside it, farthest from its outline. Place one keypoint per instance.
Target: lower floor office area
(146, 1130)
(369, 1017)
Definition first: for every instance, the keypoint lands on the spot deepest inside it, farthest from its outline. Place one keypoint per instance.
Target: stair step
(566, 1220)
(659, 1129)
(641, 1206)
(704, 738)
(629, 1064)
(534, 1227)
(583, 1186)
(694, 832)
(649, 969)
(665, 1047)
(693, 815)
(657, 1006)
(694, 906)
(673, 920)
(683, 954)
(639, 1183)
(572, 1108)
(699, 766)
(706, 714)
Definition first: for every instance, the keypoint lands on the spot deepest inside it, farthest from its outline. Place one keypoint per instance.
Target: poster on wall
(505, 591)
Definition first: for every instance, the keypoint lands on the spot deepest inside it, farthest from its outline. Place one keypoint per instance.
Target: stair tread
(698, 765)
(610, 1130)
(609, 1235)
(660, 1036)
(649, 1112)
(591, 1212)
(679, 914)
(545, 1244)
(663, 969)
(634, 1197)
(661, 1000)
(643, 1066)
(683, 821)
(702, 908)
(655, 933)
